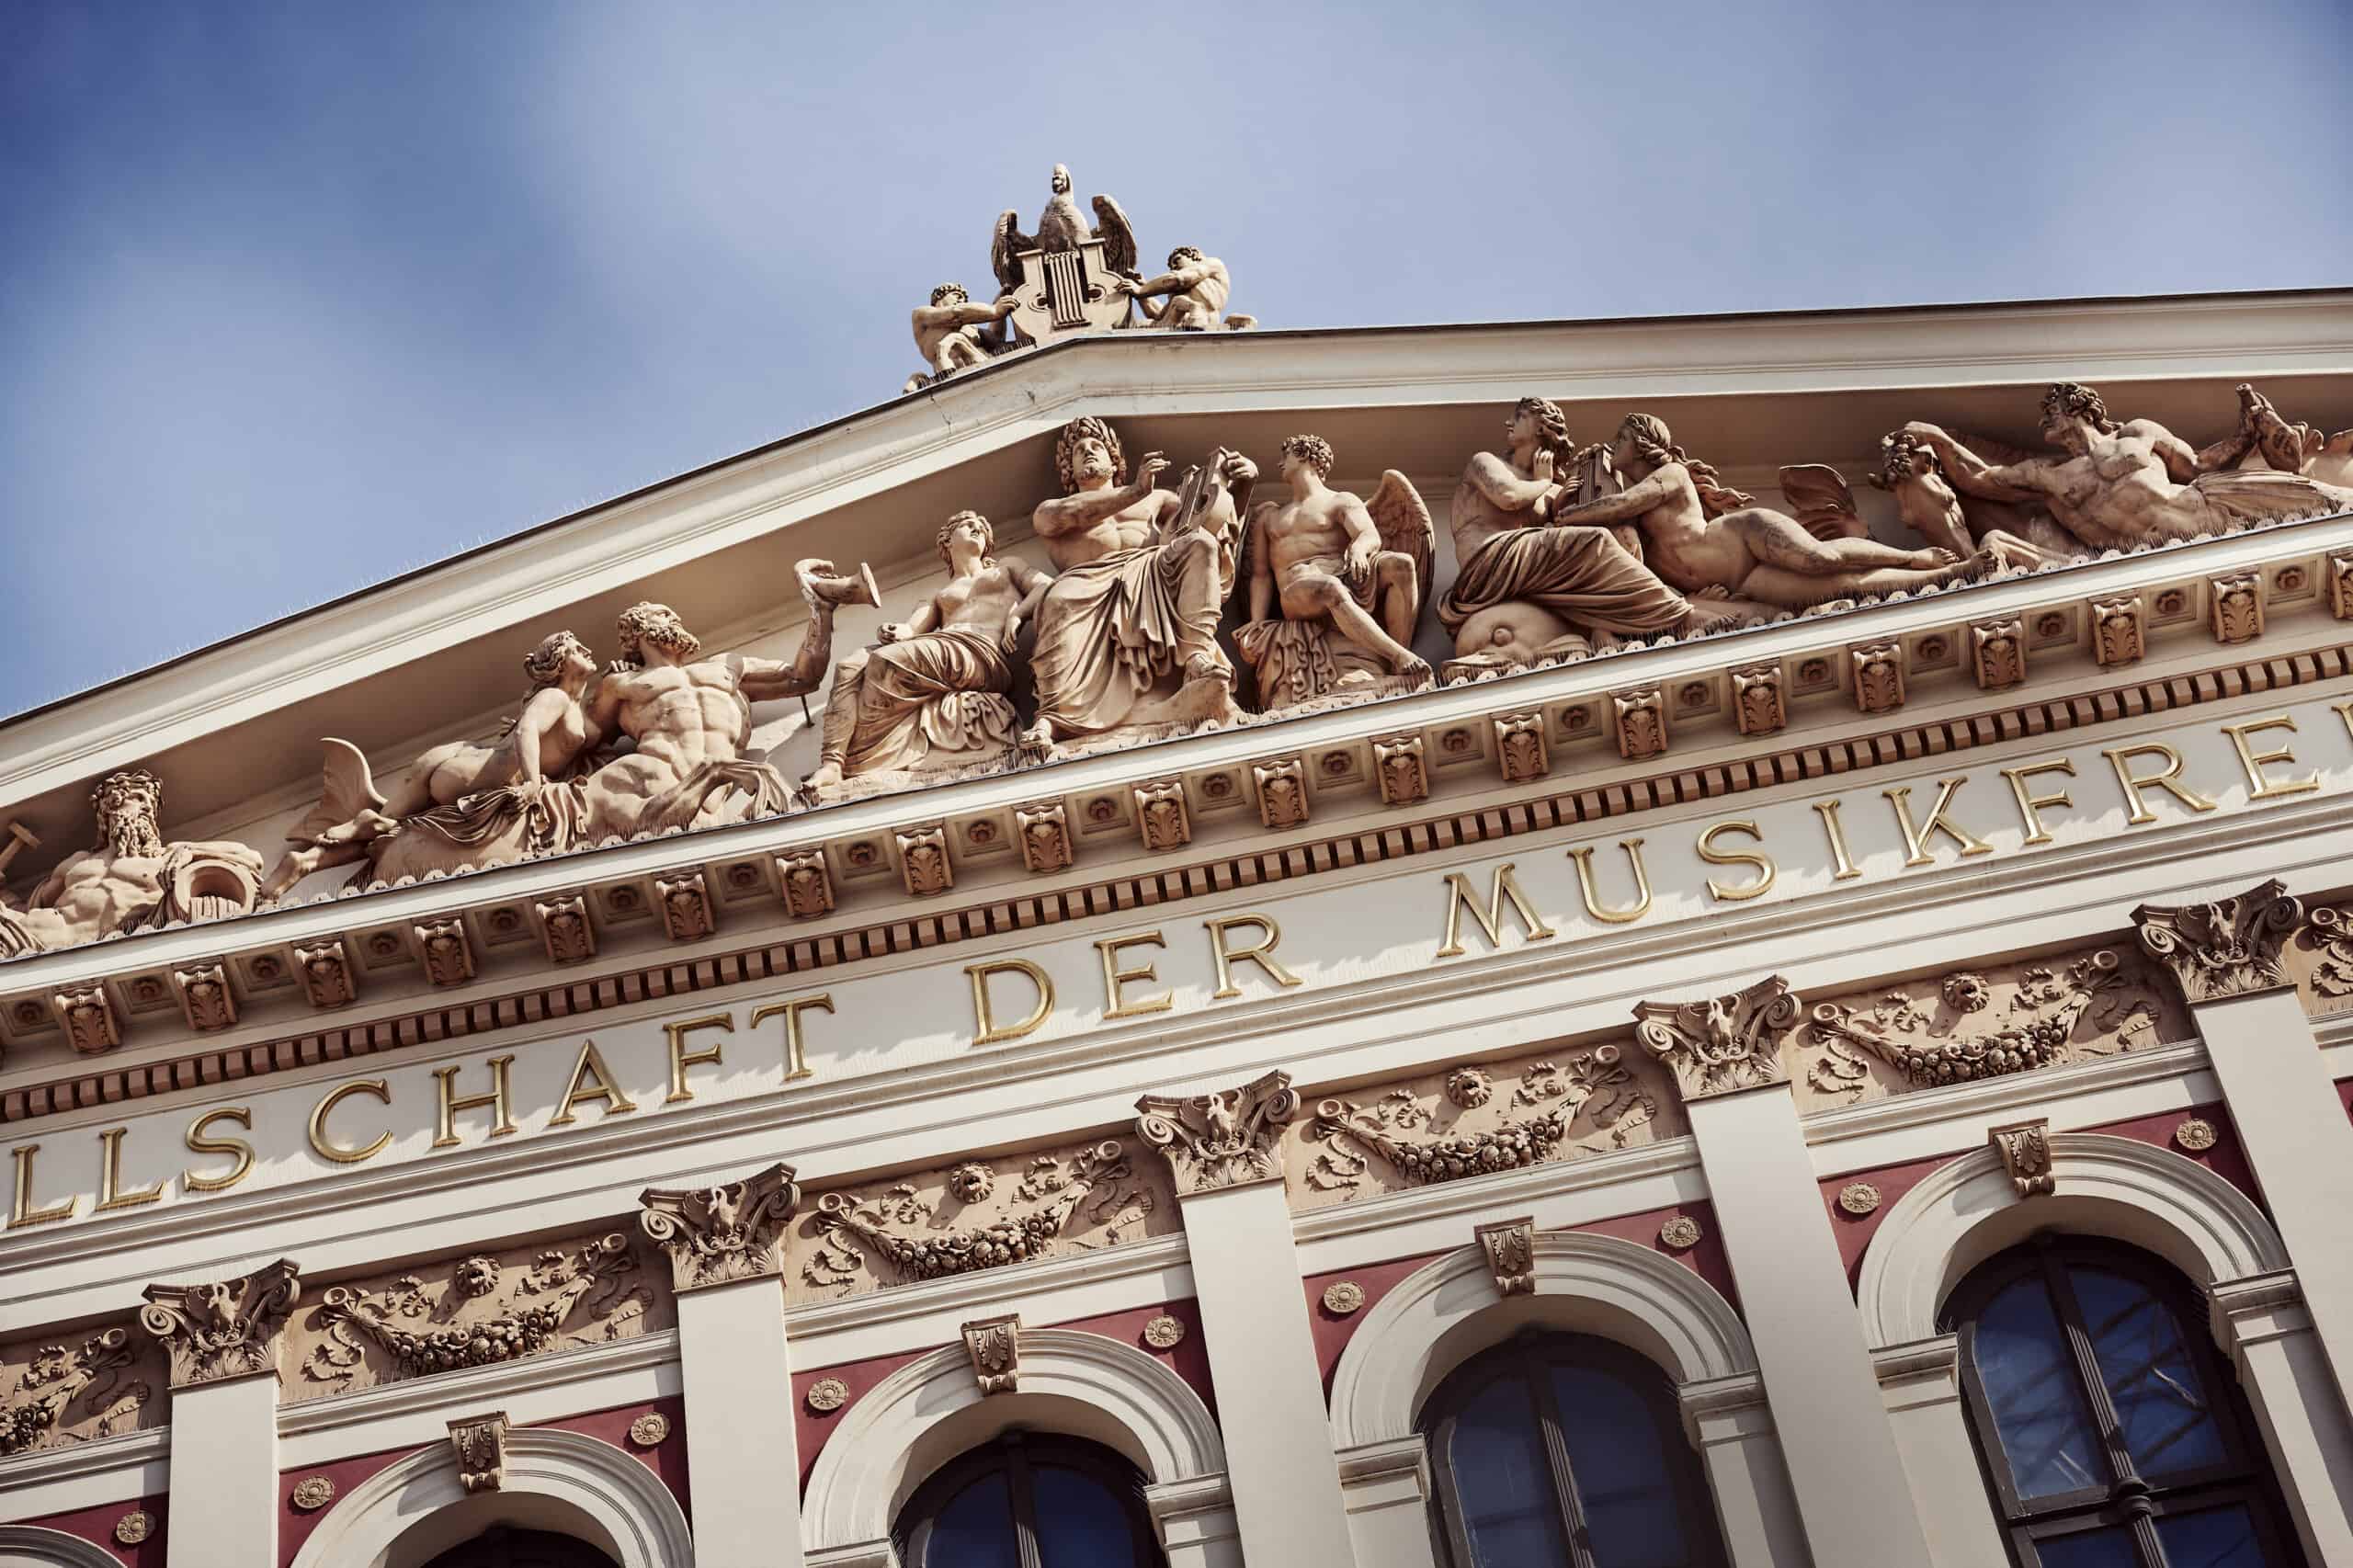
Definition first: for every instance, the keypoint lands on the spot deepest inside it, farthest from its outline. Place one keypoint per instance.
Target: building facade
(1582, 1005)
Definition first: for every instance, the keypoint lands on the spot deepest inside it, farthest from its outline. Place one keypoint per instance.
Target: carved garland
(893, 1227)
(1596, 1078)
(59, 1377)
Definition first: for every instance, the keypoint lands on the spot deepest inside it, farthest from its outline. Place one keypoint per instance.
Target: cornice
(71, 1461)
(979, 1290)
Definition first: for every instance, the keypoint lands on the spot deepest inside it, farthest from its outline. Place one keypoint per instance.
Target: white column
(1385, 1487)
(2263, 1323)
(1852, 1489)
(1194, 1520)
(1729, 1424)
(224, 1473)
(1921, 1383)
(741, 1460)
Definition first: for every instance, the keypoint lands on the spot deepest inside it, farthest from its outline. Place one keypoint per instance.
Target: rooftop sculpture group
(1560, 550)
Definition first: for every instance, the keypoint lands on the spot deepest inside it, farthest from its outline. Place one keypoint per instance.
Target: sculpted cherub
(1707, 539)
(1347, 575)
(952, 334)
(131, 879)
(936, 691)
(542, 743)
(2121, 484)
(1195, 287)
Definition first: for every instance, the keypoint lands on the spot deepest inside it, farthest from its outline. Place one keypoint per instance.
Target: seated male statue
(131, 879)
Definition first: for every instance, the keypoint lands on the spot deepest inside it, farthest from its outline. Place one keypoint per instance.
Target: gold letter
(2119, 757)
(1490, 915)
(796, 1059)
(24, 1213)
(984, 1028)
(330, 1150)
(502, 1114)
(1848, 870)
(681, 1058)
(1915, 839)
(1584, 857)
(590, 1066)
(1114, 977)
(197, 1143)
(110, 1193)
(1260, 953)
(2258, 787)
(1766, 869)
(2345, 711)
(2028, 804)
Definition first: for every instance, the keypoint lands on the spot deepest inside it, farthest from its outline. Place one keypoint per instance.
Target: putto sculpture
(1194, 290)
(936, 692)
(1347, 577)
(130, 879)
(952, 334)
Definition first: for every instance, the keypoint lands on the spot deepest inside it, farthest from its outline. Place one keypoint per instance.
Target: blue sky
(297, 297)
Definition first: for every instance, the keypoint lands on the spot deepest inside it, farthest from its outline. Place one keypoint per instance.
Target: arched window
(1559, 1449)
(2113, 1434)
(499, 1547)
(1029, 1500)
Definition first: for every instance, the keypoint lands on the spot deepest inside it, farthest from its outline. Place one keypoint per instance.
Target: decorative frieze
(2227, 948)
(994, 1345)
(479, 1443)
(1399, 770)
(1997, 653)
(1722, 1044)
(1520, 754)
(1757, 705)
(1163, 821)
(1637, 721)
(1043, 828)
(806, 882)
(565, 929)
(1878, 670)
(1975, 1024)
(1282, 791)
(205, 1001)
(87, 1015)
(2119, 629)
(226, 1330)
(329, 980)
(978, 1214)
(1226, 1139)
(446, 950)
(715, 1235)
(64, 1392)
(684, 904)
(2024, 1149)
(2234, 606)
(1510, 1249)
(924, 866)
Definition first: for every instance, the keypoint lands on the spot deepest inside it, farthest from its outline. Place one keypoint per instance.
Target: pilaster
(2263, 1323)
(1226, 1151)
(1921, 1384)
(220, 1339)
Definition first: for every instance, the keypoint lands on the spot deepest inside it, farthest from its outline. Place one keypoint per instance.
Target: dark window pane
(2167, 1420)
(2029, 1378)
(1080, 1523)
(1619, 1470)
(975, 1529)
(1509, 1509)
(2210, 1538)
(2092, 1549)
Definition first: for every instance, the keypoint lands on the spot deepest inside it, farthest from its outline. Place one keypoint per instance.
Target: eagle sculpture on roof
(1062, 227)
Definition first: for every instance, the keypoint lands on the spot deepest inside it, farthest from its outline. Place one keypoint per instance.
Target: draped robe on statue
(1114, 632)
(942, 690)
(1582, 574)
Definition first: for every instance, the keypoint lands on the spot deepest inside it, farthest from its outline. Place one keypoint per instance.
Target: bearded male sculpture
(130, 879)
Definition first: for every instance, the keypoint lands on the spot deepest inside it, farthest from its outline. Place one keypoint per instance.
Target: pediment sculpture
(130, 879)
(1347, 577)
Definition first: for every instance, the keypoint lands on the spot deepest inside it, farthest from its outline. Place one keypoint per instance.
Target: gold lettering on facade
(2168, 779)
(111, 1194)
(2258, 787)
(1766, 869)
(985, 1026)
(22, 1213)
(1260, 952)
(1940, 820)
(590, 1081)
(2344, 710)
(198, 1142)
(681, 1058)
(1590, 891)
(343, 1154)
(501, 1107)
(2030, 805)
(1836, 833)
(796, 1044)
(1116, 1005)
(1489, 916)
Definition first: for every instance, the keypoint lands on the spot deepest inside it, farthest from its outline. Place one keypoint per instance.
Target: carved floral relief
(473, 1311)
(988, 1211)
(2320, 959)
(1563, 1103)
(70, 1388)
(1984, 1022)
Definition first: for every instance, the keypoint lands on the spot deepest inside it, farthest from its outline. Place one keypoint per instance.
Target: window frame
(1530, 1355)
(1017, 1453)
(2128, 1499)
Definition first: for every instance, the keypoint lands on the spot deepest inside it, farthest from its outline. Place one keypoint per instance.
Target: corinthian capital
(2228, 948)
(212, 1332)
(1721, 1043)
(716, 1234)
(1227, 1139)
